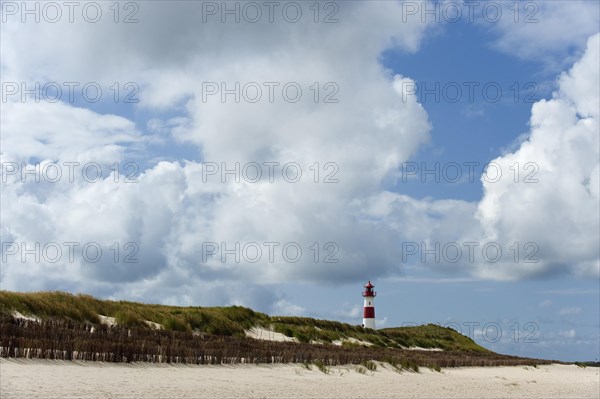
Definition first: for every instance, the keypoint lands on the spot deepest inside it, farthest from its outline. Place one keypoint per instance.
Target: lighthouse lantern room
(369, 306)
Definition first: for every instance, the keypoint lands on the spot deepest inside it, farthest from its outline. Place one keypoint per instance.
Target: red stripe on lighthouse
(369, 312)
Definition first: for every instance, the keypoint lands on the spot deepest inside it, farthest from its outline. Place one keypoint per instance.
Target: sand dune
(268, 335)
(58, 379)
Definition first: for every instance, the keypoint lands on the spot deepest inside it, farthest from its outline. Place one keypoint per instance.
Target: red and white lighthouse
(369, 306)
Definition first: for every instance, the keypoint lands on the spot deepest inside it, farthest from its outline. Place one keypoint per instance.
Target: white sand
(418, 348)
(154, 325)
(352, 341)
(268, 335)
(109, 321)
(18, 315)
(61, 379)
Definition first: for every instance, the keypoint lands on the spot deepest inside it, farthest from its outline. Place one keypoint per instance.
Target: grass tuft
(321, 366)
(370, 365)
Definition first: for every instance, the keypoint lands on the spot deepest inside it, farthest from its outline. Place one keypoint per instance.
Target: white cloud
(58, 131)
(284, 307)
(568, 333)
(349, 312)
(549, 211)
(171, 211)
(559, 212)
(570, 311)
(381, 323)
(546, 30)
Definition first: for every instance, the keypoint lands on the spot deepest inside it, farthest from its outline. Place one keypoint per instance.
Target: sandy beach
(62, 379)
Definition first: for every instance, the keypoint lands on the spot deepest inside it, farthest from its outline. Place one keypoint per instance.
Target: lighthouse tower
(369, 306)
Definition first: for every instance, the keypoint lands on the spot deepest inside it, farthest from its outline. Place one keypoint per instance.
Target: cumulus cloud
(349, 312)
(171, 210)
(544, 219)
(284, 307)
(175, 208)
(33, 131)
(558, 208)
(575, 310)
(551, 31)
(568, 333)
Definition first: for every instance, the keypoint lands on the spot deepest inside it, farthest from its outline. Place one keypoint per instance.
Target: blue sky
(470, 129)
(549, 308)
(462, 53)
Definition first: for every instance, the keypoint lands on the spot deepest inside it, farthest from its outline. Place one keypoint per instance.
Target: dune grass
(432, 336)
(227, 321)
(233, 320)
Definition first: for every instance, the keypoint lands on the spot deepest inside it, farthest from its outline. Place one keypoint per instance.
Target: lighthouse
(369, 306)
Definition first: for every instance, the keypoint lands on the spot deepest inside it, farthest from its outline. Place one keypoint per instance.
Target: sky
(279, 155)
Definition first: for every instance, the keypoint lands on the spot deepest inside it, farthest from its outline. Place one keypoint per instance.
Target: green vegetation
(306, 329)
(321, 366)
(405, 364)
(431, 336)
(370, 365)
(435, 367)
(587, 364)
(228, 321)
(217, 335)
